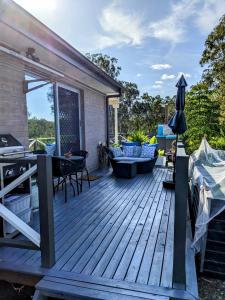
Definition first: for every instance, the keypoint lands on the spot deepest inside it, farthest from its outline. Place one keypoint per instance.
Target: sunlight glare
(35, 5)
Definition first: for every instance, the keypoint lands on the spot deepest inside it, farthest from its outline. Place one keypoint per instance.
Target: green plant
(161, 152)
(137, 136)
(153, 140)
(217, 142)
(116, 145)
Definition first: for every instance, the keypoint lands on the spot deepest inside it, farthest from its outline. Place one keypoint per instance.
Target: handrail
(33, 141)
(180, 217)
(18, 181)
(45, 240)
(10, 217)
(20, 225)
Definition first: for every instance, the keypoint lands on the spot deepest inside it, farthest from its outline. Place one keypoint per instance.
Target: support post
(46, 213)
(116, 124)
(181, 200)
(107, 121)
(115, 104)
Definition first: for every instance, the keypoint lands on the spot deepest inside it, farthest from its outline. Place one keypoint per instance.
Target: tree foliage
(136, 112)
(40, 128)
(106, 63)
(202, 112)
(213, 59)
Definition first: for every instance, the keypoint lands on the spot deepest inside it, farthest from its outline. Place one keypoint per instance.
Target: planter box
(24, 215)
(17, 203)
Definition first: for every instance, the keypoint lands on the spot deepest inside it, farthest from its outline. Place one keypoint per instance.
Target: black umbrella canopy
(178, 122)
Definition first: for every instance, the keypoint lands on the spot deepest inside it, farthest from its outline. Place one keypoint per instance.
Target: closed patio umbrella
(178, 122)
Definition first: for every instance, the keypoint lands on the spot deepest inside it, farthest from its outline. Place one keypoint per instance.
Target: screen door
(69, 120)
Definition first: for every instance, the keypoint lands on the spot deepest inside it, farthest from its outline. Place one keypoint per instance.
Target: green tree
(40, 128)
(129, 97)
(213, 59)
(106, 63)
(202, 112)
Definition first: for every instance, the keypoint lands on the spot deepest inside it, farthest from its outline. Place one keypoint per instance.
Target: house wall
(95, 125)
(13, 109)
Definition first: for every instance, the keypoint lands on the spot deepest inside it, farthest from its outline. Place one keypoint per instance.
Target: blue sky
(154, 40)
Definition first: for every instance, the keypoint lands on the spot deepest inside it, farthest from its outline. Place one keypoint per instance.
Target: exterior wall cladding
(13, 109)
(95, 125)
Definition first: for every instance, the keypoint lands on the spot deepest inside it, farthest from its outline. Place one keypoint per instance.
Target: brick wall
(13, 109)
(95, 125)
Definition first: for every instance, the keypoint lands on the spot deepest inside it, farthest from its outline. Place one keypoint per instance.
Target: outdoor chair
(62, 169)
(81, 167)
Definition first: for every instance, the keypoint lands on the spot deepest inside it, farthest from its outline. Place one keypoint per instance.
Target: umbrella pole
(170, 184)
(174, 163)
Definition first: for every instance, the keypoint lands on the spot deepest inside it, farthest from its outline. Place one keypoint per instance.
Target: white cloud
(159, 82)
(156, 86)
(139, 75)
(209, 15)
(167, 77)
(187, 75)
(161, 66)
(120, 27)
(172, 28)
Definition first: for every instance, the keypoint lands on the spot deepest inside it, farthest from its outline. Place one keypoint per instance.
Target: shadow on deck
(114, 241)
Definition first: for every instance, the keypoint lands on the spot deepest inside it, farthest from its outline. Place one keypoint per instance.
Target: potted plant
(137, 137)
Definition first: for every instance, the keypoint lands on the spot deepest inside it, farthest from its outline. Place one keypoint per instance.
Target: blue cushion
(50, 149)
(152, 145)
(171, 136)
(137, 151)
(147, 152)
(117, 151)
(160, 130)
(128, 151)
(127, 143)
(136, 159)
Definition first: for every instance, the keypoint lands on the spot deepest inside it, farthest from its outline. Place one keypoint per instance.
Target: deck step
(221, 216)
(216, 235)
(214, 266)
(213, 255)
(217, 224)
(214, 274)
(215, 245)
(70, 289)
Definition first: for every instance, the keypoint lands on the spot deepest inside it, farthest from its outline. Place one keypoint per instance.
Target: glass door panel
(69, 120)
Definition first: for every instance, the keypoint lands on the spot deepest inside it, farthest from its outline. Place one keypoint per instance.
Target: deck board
(120, 230)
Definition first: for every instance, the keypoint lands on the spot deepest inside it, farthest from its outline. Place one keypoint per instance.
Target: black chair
(81, 166)
(62, 169)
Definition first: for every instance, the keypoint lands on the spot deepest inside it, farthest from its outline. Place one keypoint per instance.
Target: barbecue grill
(10, 147)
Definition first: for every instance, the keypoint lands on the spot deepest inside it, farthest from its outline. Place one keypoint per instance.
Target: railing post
(181, 200)
(46, 213)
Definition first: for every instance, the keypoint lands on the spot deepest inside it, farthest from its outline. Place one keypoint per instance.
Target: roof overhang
(16, 19)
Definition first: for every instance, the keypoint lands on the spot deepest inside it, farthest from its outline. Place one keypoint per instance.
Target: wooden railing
(43, 241)
(37, 143)
(180, 221)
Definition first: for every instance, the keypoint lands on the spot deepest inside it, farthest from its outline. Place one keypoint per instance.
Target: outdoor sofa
(143, 164)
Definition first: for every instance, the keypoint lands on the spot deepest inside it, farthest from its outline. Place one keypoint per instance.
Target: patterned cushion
(137, 151)
(50, 149)
(147, 151)
(117, 152)
(128, 151)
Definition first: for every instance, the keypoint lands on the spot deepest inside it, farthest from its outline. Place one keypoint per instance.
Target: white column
(115, 104)
(116, 124)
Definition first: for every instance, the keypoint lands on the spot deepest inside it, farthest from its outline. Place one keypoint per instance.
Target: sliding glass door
(68, 119)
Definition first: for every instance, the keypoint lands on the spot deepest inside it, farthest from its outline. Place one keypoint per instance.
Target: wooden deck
(113, 241)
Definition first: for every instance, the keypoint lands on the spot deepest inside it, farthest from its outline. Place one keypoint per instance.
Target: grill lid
(7, 140)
